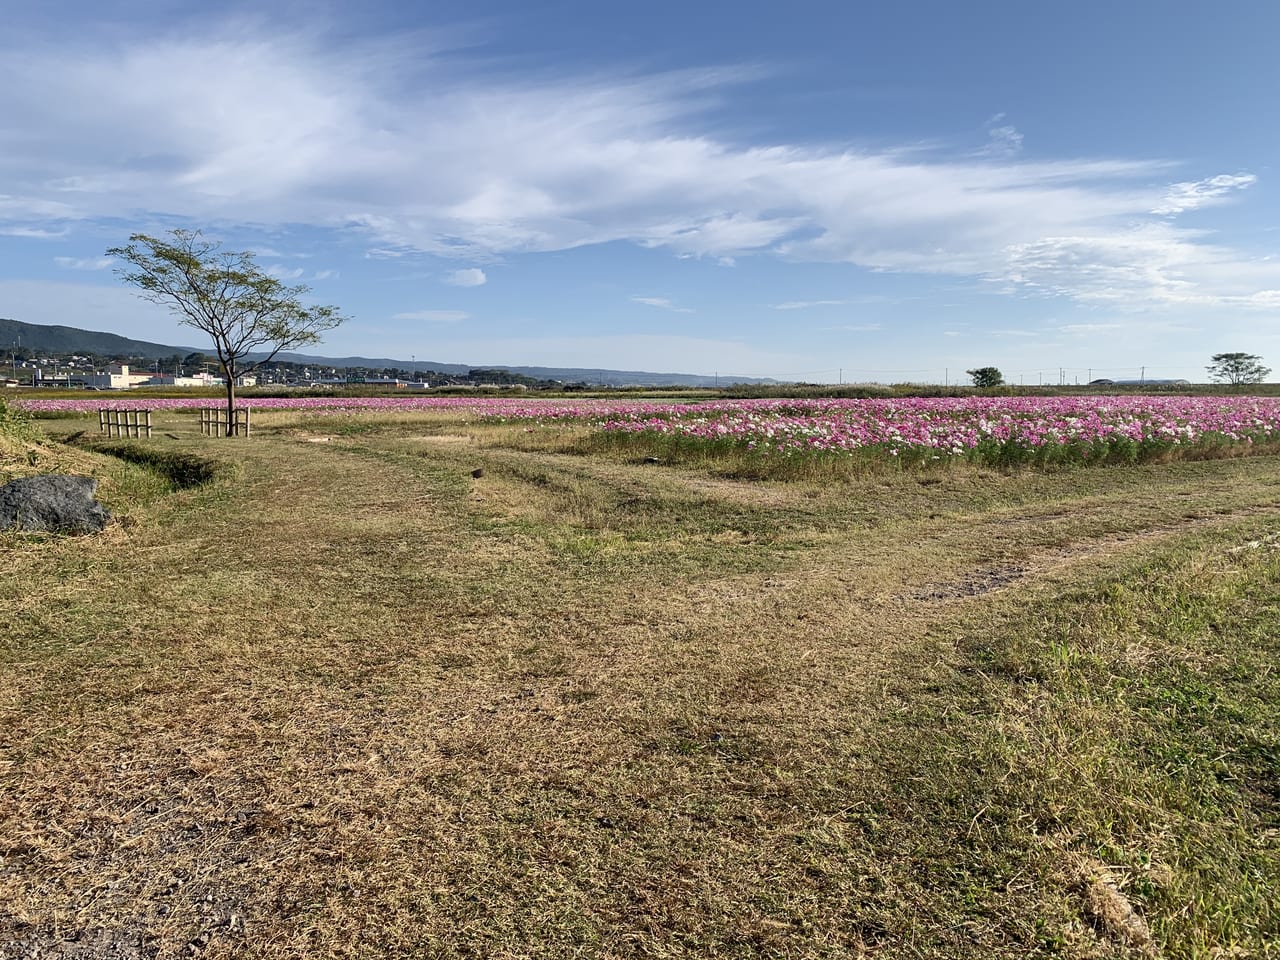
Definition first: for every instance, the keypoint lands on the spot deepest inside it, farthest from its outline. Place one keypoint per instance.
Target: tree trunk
(232, 427)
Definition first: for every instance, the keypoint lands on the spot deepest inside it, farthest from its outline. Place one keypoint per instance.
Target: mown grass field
(330, 695)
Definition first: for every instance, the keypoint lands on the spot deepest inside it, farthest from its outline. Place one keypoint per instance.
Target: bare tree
(243, 309)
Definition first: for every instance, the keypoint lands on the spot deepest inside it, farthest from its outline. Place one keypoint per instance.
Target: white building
(116, 377)
(195, 380)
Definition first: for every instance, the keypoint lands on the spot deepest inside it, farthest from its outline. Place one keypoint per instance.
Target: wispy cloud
(1191, 195)
(662, 303)
(1146, 266)
(855, 328)
(35, 233)
(325, 275)
(284, 273)
(807, 304)
(535, 164)
(1003, 139)
(87, 263)
(1089, 329)
(433, 316)
(470, 277)
(271, 253)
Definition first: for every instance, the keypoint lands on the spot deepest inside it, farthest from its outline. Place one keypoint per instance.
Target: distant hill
(43, 338)
(614, 378)
(54, 339)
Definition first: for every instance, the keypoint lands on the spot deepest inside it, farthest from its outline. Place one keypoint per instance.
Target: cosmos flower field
(981, 429)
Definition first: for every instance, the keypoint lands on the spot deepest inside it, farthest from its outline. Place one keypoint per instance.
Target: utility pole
(1144, 374)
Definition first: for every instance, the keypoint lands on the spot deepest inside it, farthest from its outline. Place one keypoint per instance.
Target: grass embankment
(131, 473)
(358, 703)
(25, 451)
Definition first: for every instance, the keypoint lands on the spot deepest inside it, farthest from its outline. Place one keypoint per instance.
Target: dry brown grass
(356, 703)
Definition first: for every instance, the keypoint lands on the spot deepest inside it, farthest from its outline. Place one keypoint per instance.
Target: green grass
(1126, 726)
(180, 468)
(341, 698)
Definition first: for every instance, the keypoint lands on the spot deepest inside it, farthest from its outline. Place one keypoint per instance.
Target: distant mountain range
(43, 338)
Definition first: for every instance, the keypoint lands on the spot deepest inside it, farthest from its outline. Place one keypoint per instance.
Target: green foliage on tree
(1237, 368)
(986, 376)
(225, 294)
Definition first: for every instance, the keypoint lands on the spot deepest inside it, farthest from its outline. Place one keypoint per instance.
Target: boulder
(55, 503)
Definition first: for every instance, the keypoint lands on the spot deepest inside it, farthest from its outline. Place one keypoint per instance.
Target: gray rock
(55, 503)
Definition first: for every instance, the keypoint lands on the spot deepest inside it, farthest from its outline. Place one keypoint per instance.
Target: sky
(817, 191)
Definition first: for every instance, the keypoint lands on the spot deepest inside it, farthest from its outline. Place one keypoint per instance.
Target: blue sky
(814, 191)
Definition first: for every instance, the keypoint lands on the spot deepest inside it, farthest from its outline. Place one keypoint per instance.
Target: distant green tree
(243, 309)
(1237, 368)
(986, 376)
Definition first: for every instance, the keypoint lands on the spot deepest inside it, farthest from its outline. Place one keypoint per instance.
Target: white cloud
(661, 303)
(807, 304)
(1191, 195)
(283, 273)
(271, 253)
(34, 233)
(1089, 329)
(33, 208)
(526, 164)
(470, 277)
(88, 263)
(325, 275)
(1003, 139)
(1143, 267)
(855, 328)
(433, 316)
